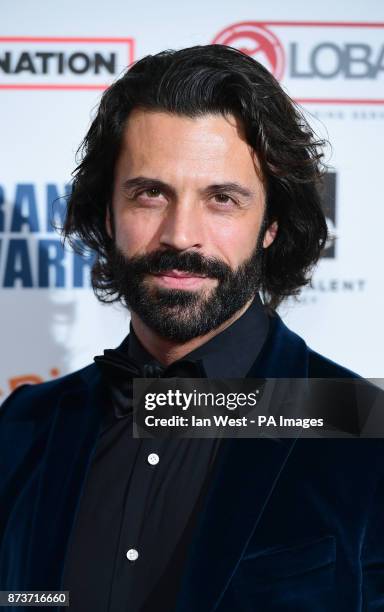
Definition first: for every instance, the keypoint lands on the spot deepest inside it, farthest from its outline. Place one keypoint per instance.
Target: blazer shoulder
(31, 400)
(323, 367)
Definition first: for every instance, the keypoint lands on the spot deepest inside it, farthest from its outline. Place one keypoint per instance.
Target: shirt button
(153, 459)
(132, 554)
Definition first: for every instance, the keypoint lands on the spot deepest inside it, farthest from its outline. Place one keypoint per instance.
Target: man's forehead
(210, 142)
(208, 128)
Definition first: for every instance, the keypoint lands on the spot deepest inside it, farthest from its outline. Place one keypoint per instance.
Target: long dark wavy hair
(193, 82)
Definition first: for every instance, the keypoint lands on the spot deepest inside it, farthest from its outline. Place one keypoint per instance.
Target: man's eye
(223, 198)
(152, 193)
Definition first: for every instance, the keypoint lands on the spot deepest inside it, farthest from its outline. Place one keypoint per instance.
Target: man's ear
(270, 234)
(108, 222)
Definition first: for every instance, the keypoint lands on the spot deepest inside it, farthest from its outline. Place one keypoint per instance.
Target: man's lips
(179, 279)
(180, 274)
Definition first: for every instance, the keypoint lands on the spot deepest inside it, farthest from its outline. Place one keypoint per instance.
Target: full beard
(180, 315)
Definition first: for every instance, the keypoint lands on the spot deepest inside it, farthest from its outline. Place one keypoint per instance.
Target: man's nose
(183, 227)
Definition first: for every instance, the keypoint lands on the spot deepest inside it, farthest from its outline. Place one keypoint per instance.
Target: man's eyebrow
(144, 182)
(230, 187)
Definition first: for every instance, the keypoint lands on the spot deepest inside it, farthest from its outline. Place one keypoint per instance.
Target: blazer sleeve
(15, 435)
(372, 555)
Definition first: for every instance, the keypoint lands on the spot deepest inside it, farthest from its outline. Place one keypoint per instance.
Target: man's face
(188, 205)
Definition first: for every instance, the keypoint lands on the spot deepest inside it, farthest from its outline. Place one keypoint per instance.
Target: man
(197, 192)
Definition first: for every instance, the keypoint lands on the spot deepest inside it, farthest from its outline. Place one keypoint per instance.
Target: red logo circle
(256, 40)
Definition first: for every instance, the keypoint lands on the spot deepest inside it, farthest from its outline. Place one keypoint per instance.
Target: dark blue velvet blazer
(287, 525)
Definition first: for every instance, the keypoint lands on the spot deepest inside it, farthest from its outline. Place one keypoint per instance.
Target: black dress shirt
(141, 496)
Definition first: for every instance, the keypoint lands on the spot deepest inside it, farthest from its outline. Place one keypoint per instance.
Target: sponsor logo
(31, 252)
(258, 41)
(335, 58)
(62, 63)
(321, 284)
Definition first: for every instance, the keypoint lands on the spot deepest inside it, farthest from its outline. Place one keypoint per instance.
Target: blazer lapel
(245, 475)
(68, 455)
(244, 478)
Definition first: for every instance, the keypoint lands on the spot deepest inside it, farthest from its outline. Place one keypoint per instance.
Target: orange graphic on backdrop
(30, 379)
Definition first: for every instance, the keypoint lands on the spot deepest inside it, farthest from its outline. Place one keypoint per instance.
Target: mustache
(192, 262)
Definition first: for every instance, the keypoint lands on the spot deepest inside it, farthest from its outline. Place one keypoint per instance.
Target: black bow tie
(118, 369)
